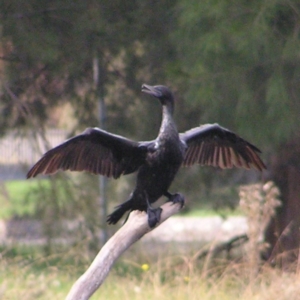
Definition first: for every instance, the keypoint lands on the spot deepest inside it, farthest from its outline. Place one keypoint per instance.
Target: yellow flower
(145, 267)
(186, 279)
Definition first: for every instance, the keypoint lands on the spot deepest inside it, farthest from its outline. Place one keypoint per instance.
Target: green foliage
(242, 64)
(14, 201)
(50, 48)
(21, 198)
(234, 62)
(29, 198)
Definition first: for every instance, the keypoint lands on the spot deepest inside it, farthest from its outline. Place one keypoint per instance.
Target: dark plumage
(156, 162)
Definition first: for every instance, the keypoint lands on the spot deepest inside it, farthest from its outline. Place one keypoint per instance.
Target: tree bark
(283, 232)
(135, 227)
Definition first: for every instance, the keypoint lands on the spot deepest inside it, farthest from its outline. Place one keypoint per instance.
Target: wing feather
(214, 145)
(96, 151)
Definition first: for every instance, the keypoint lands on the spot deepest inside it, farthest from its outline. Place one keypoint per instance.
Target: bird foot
(176, 198)
(153, 216)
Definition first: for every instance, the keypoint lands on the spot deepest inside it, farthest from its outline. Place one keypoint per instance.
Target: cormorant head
(159, 91)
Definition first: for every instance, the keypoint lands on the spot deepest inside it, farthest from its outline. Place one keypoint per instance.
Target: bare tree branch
(236, 241)
(135, 228)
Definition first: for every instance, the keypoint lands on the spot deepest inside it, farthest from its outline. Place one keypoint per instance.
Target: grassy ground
(144, 272)
(27, 274)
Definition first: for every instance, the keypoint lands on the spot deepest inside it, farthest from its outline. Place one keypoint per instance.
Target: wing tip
(31, 173)
(260, 167)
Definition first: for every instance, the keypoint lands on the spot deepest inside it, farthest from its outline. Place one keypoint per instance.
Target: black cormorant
(156, 162)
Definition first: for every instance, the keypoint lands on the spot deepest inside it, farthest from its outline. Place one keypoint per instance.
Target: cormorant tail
(121, 209)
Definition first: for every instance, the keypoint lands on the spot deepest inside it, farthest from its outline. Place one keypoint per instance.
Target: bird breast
(166, 152)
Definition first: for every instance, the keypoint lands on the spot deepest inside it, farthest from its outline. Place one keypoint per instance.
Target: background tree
(241, 65)
(49, 49)
(234, 63)
(54, 50)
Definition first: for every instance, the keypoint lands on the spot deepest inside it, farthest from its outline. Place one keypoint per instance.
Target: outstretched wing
(95, 151)
(216, 146)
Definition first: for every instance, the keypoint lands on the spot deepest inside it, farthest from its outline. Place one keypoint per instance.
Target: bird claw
(177, 198)
(153, 216)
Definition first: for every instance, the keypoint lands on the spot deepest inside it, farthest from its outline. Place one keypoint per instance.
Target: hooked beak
(151, 90)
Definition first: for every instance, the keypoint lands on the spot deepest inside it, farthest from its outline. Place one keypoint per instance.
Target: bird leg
(175, 198)
(153, 214)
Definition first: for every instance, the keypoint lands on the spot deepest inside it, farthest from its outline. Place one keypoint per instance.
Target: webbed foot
(176, 198)
(153, 215)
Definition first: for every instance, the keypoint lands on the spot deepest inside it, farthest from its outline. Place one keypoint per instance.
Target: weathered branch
(236, 241)
(135, 227)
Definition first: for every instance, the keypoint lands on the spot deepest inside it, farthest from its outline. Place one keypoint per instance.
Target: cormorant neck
(167, 118)
(168, 109)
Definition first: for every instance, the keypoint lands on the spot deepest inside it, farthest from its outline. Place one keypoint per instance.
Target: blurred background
(70, 64)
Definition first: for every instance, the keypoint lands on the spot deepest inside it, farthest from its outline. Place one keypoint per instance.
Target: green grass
(32, 276)
(158, 271)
